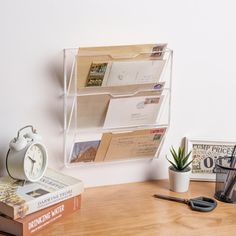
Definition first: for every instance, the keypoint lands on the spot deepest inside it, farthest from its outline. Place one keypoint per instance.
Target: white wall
(34, 33)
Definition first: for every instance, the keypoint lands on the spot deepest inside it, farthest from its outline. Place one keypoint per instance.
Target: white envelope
(134, 72)
(132, 111)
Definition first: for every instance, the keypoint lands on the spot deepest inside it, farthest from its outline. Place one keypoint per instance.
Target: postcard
(132, 111)
(158, 50)
(97, 74)
(84, 151)
(135, 144)
(135, 72)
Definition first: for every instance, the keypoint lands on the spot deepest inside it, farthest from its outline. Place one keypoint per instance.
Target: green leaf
(180, 158)
(182, 152)
(172, 164)
(174, 154)
(187, 157)
(188, 164)
(179, 152)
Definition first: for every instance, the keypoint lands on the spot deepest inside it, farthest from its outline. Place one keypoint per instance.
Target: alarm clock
(27, 157)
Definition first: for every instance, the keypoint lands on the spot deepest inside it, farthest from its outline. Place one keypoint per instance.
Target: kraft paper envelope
(92, 110)
(103, 147)
(128, 145)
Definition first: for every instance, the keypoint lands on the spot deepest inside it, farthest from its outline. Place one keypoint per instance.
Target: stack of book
(29, 208)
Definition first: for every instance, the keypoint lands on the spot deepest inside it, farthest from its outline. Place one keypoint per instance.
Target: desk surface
(130, 209)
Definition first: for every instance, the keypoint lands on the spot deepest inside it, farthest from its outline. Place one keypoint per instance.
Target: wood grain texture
(130, 209)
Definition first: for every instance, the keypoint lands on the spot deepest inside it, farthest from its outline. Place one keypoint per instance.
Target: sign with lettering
(204, 155)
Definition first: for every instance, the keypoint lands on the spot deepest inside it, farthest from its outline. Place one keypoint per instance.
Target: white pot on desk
(179, 180)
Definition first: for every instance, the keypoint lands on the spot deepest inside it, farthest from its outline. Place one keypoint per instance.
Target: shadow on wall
(55, 111)
(55, 72)
(3, 152)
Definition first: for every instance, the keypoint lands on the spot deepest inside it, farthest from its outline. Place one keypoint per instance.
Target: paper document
(136, 144)
(134, 72)
(132, 111)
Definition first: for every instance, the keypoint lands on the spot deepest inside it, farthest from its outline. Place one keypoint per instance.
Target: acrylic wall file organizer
(116, 103)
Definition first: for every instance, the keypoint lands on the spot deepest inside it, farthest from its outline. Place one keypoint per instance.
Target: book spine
(50, 199)
(35, 222)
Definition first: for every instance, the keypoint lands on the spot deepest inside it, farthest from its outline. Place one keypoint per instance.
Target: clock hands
(31, 159)
(32, 168)
(33, 163)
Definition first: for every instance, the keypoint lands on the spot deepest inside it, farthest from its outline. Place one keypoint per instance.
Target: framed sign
(204, 155)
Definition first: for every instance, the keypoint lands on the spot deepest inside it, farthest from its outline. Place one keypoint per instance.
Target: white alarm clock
(26, 158)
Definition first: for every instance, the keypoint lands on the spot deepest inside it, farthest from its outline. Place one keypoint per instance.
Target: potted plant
(179, 171)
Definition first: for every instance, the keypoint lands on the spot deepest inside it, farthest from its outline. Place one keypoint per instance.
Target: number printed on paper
(205, 155)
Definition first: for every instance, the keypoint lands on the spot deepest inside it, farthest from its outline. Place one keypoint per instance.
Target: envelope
(130, 144)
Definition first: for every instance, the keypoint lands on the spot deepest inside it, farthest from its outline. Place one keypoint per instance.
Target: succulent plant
(180, 159)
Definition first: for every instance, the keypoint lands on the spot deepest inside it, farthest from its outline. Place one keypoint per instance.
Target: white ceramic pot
(179, 181)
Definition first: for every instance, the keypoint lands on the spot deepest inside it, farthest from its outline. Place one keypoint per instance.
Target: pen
(230, 184)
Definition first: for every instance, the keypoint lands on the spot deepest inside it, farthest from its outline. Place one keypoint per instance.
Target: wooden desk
(130, 209)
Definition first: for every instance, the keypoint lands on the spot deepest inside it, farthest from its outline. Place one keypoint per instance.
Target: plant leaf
(173, 152)
(182, 152)
(181, 156)
(172, 164)
(187, 157)
(175, 156)
(187, 165)
(179, 152)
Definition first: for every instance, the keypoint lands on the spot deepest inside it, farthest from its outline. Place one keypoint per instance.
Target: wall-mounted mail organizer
(116, 103)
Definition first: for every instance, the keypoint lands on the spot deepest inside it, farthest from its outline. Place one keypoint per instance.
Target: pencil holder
(225, 188)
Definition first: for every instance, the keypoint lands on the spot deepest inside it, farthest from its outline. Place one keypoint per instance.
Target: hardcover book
(17, 201)
(37, 221)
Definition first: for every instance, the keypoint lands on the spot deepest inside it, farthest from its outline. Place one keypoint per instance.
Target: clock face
(35, 162)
